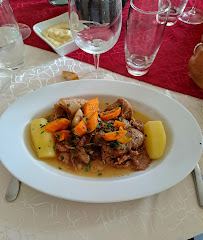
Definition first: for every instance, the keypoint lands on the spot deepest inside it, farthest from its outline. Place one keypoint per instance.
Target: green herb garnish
(114, 144)
(88, 144)
(74, 151)
(88, 167)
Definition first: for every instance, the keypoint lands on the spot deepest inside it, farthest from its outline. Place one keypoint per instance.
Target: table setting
(163, 201)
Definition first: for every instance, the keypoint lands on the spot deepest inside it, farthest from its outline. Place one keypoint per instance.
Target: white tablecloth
(172, 214)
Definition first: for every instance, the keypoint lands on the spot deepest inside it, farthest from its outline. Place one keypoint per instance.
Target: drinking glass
(58, 2)
(11, 43)
(144, 32)
(193, 15)
(95, 25)
(177, 8)
(24, 30)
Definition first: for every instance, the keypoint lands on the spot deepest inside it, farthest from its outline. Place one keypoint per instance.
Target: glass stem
(96, 63)
(192, 11)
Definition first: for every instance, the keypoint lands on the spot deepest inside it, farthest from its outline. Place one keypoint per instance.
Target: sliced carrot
(124, 139)
(118, 124)
(90, 107)
(81, 128)
(58, 124)
(62, 135)
(110, 114)
(111, 136)
(92, 122)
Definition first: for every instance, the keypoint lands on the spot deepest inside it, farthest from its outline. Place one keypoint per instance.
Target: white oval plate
(182, 153)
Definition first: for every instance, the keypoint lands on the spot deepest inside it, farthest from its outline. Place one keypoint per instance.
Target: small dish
(63, 49)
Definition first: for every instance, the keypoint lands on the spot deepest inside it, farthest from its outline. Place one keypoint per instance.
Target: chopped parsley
(118, 106)
(62, 157)
(70, 141)
(84, 120)
(74, 151)
(39, 147)
(99, 174)
(88, 167)
(60, 168)
(42, 132)
(88, 144)
(99, 141)
(145, 135)
(114, 144)
(54, 147)
(110, 125)
(68, 105)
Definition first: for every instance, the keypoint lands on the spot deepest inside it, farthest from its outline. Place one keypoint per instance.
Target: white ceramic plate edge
(101, 189)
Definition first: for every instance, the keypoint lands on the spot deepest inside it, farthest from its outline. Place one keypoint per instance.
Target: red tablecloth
(169, 69)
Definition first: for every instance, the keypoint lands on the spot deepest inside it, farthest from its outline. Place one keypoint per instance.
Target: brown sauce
(108, 171)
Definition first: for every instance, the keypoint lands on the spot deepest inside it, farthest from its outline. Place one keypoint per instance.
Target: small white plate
(65, 48)
(183, 150)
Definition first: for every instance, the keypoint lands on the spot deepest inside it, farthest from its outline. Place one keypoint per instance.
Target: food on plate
(69, 75)
(94, 137)
(43, 142)
(58, 34)
(155, 140)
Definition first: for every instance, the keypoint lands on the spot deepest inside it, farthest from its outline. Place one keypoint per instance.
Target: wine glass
(192, 15)
(95, 25)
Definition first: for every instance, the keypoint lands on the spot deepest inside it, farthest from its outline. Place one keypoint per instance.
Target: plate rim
(101, 82)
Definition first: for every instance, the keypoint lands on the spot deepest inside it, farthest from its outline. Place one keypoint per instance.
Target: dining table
(173, 214)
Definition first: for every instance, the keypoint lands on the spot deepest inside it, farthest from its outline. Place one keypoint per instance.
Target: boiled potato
(44, 142)
(155, 139)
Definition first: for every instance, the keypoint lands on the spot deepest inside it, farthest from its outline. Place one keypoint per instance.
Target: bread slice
(70, 75)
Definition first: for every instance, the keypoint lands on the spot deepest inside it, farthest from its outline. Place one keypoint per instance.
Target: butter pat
(58, 34)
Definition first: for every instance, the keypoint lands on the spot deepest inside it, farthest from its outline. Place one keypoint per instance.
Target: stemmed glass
(95, 25)
(192, 15)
